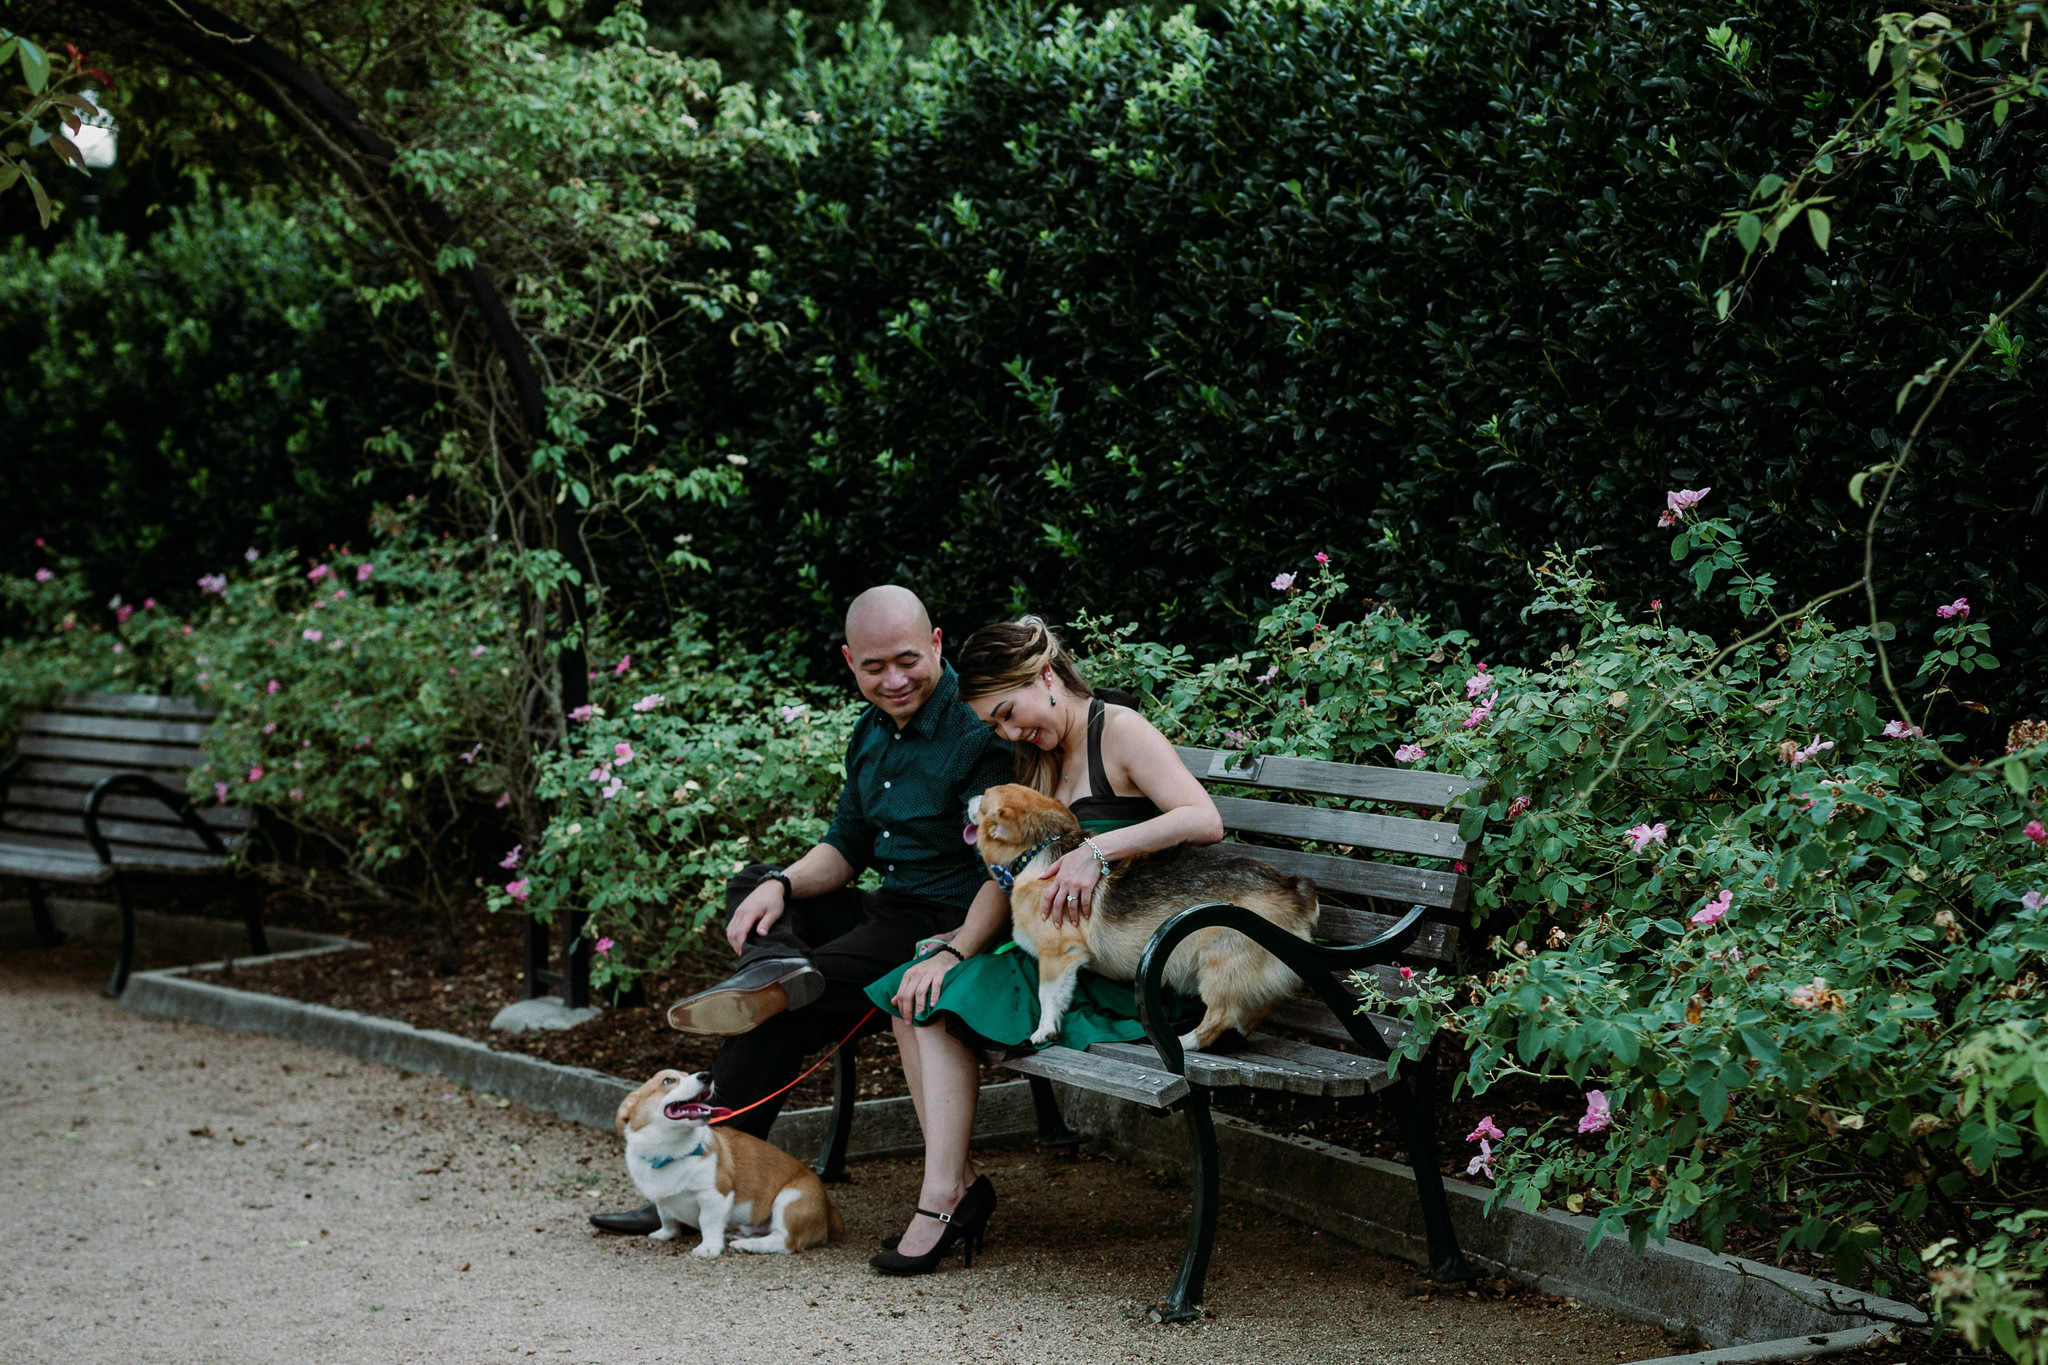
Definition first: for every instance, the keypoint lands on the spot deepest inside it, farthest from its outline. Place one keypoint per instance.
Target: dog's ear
(1044, 818)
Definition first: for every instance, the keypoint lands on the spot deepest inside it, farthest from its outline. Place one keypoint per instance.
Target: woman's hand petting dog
(1071, 897)
(920, 987)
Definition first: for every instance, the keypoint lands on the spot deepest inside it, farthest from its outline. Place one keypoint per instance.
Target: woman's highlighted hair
(1013, 654)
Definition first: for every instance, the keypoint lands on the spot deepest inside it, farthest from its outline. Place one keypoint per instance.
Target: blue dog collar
(1006, 873)
(658, 1162)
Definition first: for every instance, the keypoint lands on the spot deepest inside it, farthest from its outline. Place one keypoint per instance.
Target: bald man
(808, 941)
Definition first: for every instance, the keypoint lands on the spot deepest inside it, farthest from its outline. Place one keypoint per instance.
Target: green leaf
(1767, 187)
(2017, 775)
(1818, 221)
(1761, 1046)
(35, 69)
(1998, 113)
(1749, 230)
(1722, 300)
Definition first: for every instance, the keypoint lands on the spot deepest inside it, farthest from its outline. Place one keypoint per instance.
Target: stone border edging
(1785, 1348)
(1777, 1314)
(882, 1128)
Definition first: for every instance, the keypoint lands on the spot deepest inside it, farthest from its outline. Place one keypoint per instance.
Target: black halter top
(1102, 809)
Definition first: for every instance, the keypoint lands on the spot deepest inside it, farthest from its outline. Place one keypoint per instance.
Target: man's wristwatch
(776, 874)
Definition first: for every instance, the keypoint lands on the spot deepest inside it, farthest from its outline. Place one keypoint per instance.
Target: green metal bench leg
(1414, 1098)
(1184, 1300)
(39, 911)
(250, 893)
(831, 1162)
(124, 956)
(1052, 1125)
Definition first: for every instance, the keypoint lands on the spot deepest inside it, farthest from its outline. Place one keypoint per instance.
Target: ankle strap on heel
(942, 1217)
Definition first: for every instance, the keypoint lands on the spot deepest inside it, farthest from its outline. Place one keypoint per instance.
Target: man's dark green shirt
(907, 789)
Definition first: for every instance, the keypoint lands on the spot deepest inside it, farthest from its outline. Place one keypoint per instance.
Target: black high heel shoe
(966, 1225)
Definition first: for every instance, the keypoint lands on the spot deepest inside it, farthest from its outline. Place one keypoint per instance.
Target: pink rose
(623, 753)
(1642, 836)
(1676, 505)
(1484, 1162)
(220, 792)
(2035, 832)
(582, 713)
(1712, 912)
(1482, 712)
(1486, 1130)
(1284, 582)
(1322, 558)
(1898, 729)
(319, 572)
(1809, 752)
(1407, 973)
(1409, 753)
(470, 756)
(2032, 900)
(363, 572)
(649, 702)
(44, 575)
(518, 890)
(511, 860)
(214, 583)
(1656, 604)
(792, 714)
(255, 774)
(1477, 683)
(315, 636)
(122, 613)
(1599, 1115)
(1517, 806)
(504, 800)
(602, 946)
(624, 664)
(1959, 607)
(612, 788)
(1267, 677)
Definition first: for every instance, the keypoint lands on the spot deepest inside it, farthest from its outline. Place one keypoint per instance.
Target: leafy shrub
(684, 774)
(1114, 312)
(1744, 908)
(168, 404)
(367, 703)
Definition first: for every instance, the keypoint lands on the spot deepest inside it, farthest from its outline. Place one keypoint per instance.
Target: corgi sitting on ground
(1020, 833)
(715, 1178)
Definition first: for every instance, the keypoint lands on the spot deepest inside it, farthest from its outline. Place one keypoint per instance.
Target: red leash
(721, 1115)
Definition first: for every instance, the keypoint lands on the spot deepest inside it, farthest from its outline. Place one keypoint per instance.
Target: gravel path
(175, 1194)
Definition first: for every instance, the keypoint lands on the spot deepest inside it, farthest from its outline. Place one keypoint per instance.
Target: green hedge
(170, 404)
(1129, 317)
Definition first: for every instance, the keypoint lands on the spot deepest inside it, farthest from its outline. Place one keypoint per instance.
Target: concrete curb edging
(1752, 1311)
(1785, 1348)
(1725, 1299)
(882, 1128)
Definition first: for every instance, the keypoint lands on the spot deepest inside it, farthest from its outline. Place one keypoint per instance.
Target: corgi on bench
(1022, 832)
(716, 1179)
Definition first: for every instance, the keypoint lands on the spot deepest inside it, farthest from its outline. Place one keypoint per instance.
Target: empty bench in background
(96, 793)
(1347, 1063)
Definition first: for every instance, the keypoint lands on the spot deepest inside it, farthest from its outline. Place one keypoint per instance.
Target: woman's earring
(1050, 698)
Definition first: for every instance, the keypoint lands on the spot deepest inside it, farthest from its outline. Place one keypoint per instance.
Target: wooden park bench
(1348, 1060)
(96, 793)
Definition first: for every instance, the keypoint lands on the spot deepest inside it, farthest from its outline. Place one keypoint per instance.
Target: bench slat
(134, 704)
(1403, 786)
(115, 728)
(128, 856)
(55, 865)
(71, 801)
(1340, 924)
(1354, 829)
(1265, 1064)
(1440, 890)
(118, 833)
(1147, 1085)
(1306, 1014)
(121, 757)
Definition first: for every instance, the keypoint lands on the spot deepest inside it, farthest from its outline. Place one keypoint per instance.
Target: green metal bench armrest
(1315, 964)
(139, 785)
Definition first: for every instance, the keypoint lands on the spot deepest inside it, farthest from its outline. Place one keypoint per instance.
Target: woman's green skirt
(996, 995)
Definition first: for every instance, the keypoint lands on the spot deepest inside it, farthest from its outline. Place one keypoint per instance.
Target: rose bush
(684, 771)
(1748, 911)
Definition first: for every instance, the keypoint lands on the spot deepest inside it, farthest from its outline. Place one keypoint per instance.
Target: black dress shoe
(756, 992)
(640, 1221)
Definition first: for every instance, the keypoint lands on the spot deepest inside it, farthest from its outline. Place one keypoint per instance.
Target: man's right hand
(756, 914)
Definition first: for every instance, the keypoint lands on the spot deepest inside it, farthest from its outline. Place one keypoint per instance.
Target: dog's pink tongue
(970, 834)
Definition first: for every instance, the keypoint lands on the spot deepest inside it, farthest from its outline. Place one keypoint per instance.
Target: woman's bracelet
(938, 948)
(1092, 848)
